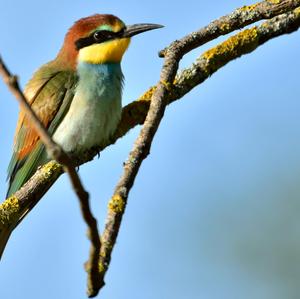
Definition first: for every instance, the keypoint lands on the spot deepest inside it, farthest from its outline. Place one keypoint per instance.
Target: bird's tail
(21, 174)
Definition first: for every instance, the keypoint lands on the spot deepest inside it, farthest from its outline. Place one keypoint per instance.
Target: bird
(77, 96)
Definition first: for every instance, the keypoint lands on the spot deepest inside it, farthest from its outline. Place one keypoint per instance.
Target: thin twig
(56, 152)
(238, 19)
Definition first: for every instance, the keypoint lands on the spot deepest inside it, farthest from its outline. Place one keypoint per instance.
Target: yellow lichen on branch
(117, 204)
(235, 46)
(9, 211)
(148, 94)
(297, 11)
(249, 7)
(274, 1)
(49, 168)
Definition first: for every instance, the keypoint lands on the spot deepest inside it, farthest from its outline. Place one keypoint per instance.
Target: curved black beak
(132, 30)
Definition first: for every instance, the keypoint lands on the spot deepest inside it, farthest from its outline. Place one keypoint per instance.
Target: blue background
(214, 212)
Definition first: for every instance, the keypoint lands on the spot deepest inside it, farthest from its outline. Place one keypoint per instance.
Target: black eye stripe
(103, 35)
(84, 42)
(98, 37)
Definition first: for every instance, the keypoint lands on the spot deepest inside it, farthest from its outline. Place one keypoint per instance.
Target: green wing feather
(50, 93)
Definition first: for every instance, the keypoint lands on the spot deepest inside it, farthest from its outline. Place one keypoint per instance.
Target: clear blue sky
(214, 212)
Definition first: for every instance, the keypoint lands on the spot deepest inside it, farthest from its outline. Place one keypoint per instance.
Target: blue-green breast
(95, 110)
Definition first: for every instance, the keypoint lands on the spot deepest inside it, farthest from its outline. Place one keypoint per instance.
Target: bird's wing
(49, 93)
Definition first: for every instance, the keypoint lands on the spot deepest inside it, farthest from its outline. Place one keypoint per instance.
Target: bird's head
(99, 39)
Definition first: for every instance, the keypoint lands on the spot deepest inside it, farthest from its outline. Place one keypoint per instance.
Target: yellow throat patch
(110, 51)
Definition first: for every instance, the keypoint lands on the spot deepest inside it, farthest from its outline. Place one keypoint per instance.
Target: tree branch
(56, 152)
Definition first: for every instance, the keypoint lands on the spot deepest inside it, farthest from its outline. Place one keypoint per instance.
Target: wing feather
(50, 93)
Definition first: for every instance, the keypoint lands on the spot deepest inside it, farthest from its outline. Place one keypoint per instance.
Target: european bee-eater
(77, 96)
